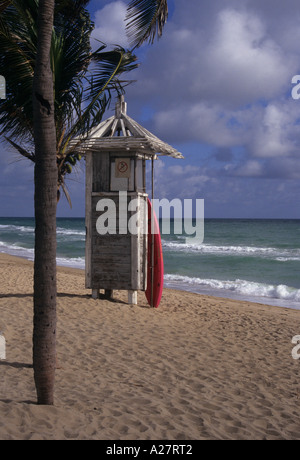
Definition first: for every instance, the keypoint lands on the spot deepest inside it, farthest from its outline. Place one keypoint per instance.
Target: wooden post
(132, 297)
(109, 294)
(2, 347)
(152, 235)
(95, 294)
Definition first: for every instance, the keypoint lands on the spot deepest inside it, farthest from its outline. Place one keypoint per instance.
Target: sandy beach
(196, 368)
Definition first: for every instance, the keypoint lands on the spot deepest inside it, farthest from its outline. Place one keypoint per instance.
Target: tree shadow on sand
(73, 296)
(16, 365)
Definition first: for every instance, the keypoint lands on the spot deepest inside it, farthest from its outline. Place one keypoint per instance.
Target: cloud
(232, 193)
(231, 59)
(276, 131)
(110, 24)
(252, 168)
(217, 86)
(179, 179)
(221, 76)
(243, 62)
(201, 122)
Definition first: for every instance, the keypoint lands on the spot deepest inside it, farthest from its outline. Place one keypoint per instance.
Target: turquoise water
(256, 260)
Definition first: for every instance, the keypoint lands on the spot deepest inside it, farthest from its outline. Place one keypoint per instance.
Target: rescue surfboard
(155, 263)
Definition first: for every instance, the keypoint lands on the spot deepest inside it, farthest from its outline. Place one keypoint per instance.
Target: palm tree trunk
(45, 290)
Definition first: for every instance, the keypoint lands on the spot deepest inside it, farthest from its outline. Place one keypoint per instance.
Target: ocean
(254, 260)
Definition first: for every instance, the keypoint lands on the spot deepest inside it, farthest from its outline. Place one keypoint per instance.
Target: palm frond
(21, 150)
(103, 78)
(145, 20)
(17, 58)
(83, 80)
(4, 4)
(66, 192)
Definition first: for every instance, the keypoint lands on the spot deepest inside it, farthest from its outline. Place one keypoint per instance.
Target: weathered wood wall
(113, 261)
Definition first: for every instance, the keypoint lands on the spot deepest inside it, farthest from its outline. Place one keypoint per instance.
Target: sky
(218, 87)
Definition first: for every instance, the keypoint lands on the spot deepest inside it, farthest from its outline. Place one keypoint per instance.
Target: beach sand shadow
(10, 401)
(16, 365)
(18, 296)
(76, 296)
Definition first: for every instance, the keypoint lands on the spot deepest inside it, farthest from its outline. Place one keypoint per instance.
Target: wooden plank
(100, 173)
(88, 220)
(116, 194)
(114, 285)
(104, 242)
(114, 210)
(106, 251)
(132, 297)
(95, 294)
(110, 280)
(109, 263)
(123, 127)
(109, 294)
(112, 271)
(115, 198)
(102, 129)
(114, 126)
(143, 261)
(135, 266)
(111, 260)
(101, 279)
(115, 280)
(118, 261)
(135, 256)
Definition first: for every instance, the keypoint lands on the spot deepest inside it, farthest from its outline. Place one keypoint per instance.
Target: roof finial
(121, 106)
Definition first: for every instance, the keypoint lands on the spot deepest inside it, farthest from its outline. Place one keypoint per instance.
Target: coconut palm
(52, 96)
(84, 81)
(45, 179)
(51, 99)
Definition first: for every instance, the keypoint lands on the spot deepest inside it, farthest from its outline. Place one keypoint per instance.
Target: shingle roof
(120, 132)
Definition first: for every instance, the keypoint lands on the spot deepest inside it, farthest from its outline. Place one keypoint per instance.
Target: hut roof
(122, 132)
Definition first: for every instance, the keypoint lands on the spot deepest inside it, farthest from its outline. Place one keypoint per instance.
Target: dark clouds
(221, 77)
(218, 87)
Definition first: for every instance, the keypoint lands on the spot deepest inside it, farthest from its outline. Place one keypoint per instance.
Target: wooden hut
(116, 152)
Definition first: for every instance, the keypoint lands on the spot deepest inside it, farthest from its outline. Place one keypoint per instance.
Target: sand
(196, 368)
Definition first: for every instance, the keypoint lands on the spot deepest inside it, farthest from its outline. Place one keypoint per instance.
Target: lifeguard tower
(116, 152)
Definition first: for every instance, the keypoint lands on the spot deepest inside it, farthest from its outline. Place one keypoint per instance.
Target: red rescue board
(154, 296)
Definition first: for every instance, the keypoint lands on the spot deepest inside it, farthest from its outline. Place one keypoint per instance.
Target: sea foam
(248, 288)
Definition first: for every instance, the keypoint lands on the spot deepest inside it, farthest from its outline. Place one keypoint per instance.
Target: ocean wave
(28, 253)
(29, 229)
(74, 262)
(287, 259)
(15, 250)
(17, 228)
(243, 287)
(65, 231)
(282, 255)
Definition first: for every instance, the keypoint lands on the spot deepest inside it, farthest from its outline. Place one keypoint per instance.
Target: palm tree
(84, 81)
(44, 331)
(67, 100)
(82, 92)
(48, 65)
